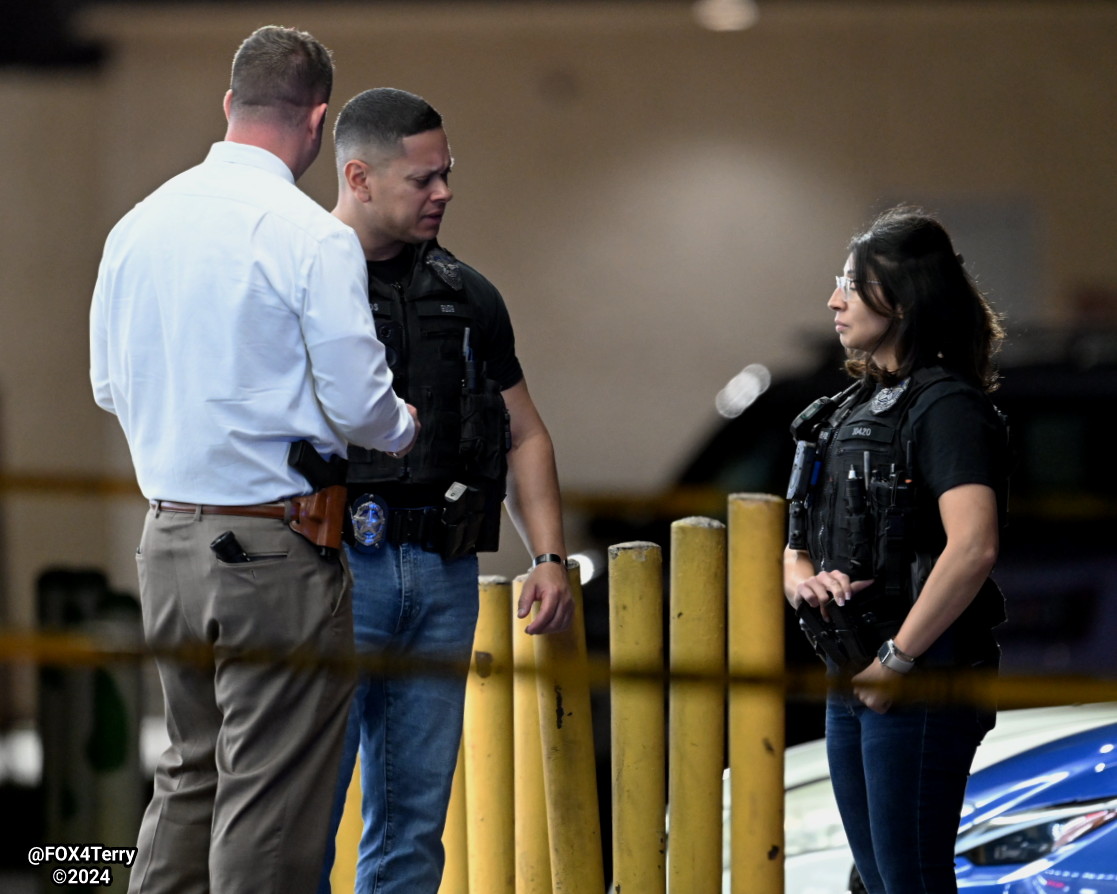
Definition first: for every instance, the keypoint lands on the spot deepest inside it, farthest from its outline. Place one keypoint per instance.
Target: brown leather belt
(319, 517)
(281, 511)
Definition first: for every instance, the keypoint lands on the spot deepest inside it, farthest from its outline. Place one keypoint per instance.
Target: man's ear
(356, 177)
(227, 103)
(318, 118)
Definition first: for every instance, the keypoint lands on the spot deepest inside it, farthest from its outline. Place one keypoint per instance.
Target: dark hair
(379, 119)
(906, 269)
(280, 72)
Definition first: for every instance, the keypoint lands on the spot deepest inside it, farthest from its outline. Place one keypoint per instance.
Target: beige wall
(660, 205)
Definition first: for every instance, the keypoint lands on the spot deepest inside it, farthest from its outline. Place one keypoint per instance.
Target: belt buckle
(369, 516)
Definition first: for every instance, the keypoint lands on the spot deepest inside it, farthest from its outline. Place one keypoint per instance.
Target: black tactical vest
(866, 488)
(427, 328)
(865, 515)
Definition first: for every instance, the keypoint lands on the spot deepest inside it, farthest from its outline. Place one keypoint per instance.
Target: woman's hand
(825, 586)
(802, 585)
(876, 686)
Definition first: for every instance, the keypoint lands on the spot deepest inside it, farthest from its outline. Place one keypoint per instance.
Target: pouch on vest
(485, 432)
(462, 518)
(860, 469)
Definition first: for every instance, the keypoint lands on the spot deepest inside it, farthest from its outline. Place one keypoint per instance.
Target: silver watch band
(893, 658)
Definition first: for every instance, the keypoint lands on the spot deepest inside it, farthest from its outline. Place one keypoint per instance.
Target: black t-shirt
(958, 438)
(494, 342)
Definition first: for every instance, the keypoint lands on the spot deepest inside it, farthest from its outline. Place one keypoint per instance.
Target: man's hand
(415, 437)
(548, 585)
(876, 686)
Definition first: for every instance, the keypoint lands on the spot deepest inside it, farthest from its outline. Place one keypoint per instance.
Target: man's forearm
(533, 500)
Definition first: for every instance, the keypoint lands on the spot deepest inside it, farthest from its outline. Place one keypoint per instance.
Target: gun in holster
(821, 635)
(854, 632)
(320, 516)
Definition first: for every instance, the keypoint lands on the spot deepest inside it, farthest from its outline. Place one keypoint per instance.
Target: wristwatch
(893, 658)
(543, 558)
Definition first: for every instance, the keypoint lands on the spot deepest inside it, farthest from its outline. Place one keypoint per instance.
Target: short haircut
(279, 73)
(377, 121)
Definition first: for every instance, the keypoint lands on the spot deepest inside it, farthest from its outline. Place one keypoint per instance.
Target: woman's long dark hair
(938, 316)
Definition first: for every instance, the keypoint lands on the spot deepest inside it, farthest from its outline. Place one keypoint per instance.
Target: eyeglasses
(848, 284)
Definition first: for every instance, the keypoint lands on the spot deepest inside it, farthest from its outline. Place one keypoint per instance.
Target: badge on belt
(370, 519)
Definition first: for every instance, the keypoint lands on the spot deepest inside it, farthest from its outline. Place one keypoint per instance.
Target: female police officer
(897, 501)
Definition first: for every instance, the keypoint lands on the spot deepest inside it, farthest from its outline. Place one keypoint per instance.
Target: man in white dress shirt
(230, 319)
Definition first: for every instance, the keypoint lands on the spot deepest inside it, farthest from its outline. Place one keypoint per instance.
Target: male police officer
(419, 521)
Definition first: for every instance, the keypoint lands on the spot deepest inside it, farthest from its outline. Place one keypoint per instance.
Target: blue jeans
(899, 779)
(411, 604)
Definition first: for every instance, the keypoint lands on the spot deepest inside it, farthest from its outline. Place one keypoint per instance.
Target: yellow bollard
(343, 875)
(487, 739)
(455, 874)
(697, 707)
(533, 855)
(636, 643)
(756, 713)
(568, 766)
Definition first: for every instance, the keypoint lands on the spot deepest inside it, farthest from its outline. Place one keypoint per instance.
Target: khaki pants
(242, 797)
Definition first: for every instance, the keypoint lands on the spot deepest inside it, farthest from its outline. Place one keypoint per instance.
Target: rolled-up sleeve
(351, 376)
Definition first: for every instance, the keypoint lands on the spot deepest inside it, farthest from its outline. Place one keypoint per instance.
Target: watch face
(889, 658)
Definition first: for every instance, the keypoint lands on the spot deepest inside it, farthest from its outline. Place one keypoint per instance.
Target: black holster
(852, 636)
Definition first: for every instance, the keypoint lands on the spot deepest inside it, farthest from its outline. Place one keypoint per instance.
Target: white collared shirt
(230, 318)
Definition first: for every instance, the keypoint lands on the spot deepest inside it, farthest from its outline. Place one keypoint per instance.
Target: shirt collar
(253, 156)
